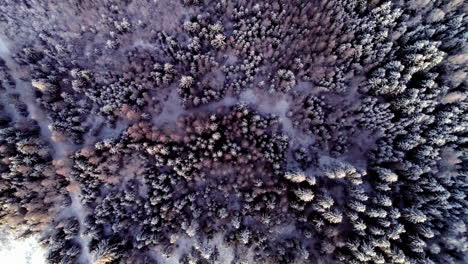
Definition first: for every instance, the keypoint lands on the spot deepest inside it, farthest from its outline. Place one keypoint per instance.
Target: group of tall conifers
(372, 170)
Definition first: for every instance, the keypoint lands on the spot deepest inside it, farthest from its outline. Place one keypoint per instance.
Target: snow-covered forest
(235, 131)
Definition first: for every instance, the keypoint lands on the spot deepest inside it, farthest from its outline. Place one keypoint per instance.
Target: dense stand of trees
(236, 131)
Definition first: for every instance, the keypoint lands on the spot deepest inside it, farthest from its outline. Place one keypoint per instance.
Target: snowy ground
(20, 251)
(80, 213)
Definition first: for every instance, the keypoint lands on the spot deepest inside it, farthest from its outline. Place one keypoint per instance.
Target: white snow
(279, 105)
(101, 130)
(80, 213)
(4, 50)
(20, 251)
(171, 109)
(226, 253)
(184, 245)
